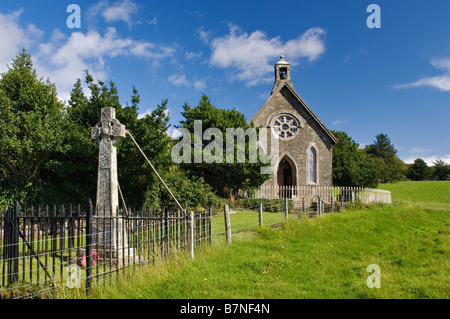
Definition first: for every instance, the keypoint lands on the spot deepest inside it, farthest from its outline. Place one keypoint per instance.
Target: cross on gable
(108, 127)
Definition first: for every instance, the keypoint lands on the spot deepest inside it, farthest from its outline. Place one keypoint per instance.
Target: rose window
(285, 126)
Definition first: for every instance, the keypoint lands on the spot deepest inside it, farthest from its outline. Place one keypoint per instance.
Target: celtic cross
(107, 133)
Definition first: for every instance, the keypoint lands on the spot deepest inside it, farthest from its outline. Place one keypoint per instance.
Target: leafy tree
(419, 170)
(441, 170)
(137, 180)
(134, 174)
(351, 165)
(225, 176)
(47, 155)
(32, 132)
(191, 192)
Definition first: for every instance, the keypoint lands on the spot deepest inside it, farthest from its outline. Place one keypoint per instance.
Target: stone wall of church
(309, 135)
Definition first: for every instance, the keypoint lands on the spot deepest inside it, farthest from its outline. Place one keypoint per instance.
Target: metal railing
(40, 246)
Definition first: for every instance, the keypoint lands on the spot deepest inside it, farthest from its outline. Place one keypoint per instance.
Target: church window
(286, 126)
(312, 165)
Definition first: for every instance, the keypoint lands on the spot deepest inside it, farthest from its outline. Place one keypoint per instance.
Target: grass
(326, 257)
(54, 252)
(319, 258)
(434, 194)
(245, 220)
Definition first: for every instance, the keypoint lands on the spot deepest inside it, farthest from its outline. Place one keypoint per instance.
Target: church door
(284, 178)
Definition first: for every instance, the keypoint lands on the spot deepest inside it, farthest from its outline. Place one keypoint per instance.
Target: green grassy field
(326, 257)
(428, 193)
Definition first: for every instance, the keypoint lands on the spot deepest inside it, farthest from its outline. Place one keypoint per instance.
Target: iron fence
(43, 248)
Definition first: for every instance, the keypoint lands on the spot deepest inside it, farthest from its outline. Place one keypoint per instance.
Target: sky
(393, 78)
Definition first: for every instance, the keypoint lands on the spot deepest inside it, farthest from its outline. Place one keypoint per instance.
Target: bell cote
(282, 73)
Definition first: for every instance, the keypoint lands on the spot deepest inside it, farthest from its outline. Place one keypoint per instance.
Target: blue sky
(393, 80)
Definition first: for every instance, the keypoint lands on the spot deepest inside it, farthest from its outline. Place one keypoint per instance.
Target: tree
(382, 148)
(225, 177)
(79, 169)
(48, 157)
(384, 153)
(419, 171)
(137, 180)
(190, 191)
(441, 170)
(352, 166)
(32, 132)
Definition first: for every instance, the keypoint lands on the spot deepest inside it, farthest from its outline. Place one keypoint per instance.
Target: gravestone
(109, 236)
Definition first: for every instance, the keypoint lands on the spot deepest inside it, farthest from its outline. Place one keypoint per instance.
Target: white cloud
(14, 37)
(121, 11)
(174, 133)
(263, 96)
(153, 21)
(427, 154)
(441, 82)
(178, 80)
(428, 159)
(181, 80)
(167, 112)
(199, 84)
(142, 115)
(204, 35)
(338, 122)
(442, 64)
(193, 55)
(64, 59)
(124, 10)
(420, 150)
(253, 54)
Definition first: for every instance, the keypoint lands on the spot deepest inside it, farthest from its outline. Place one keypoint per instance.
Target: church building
(305, 143)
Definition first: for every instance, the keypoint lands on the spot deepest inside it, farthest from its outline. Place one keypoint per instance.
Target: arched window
(312, 165)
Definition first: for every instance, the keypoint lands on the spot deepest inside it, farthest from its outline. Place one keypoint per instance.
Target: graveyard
(199, 152)
(319, 258)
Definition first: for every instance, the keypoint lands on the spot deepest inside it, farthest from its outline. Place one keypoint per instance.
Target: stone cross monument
(107, 133)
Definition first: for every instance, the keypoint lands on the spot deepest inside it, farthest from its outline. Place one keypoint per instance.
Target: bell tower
(282, 73)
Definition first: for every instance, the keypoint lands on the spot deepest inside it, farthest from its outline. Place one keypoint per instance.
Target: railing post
(286, 210)
(318, 206)
(210, 225)
(88, 245)
(16, 241)
(191, 234)
(166, 232)
(227, 224)
(260, 214)
(304, 206)
(332, 199)
(13, 244)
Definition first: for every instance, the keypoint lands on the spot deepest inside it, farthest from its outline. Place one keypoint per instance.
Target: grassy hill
(325, 257)
(422, 192)
(435, 194)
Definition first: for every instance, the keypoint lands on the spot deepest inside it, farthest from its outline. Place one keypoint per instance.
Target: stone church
(305, 143)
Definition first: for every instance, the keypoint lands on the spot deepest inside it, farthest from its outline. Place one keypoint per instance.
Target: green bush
(269, 205)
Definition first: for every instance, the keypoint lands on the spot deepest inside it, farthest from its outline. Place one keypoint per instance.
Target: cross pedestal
(109, 235)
